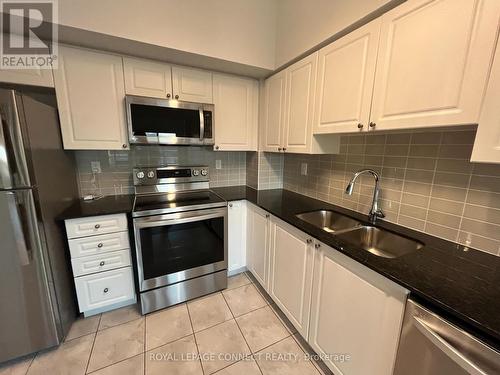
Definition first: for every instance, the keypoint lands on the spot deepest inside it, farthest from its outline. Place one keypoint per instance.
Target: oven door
(168, 122)
(180, 246)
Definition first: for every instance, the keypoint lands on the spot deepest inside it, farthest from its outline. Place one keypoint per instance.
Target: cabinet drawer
(101, 262)
(104, 288)
(98, 244)
(90, 226)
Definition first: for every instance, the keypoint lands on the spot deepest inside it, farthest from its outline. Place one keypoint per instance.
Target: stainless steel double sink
(377, 241)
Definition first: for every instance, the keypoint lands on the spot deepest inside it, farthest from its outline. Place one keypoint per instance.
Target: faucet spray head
(350, 188)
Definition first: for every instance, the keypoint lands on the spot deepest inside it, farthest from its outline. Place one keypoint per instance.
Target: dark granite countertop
(112, 204)
(463, 286)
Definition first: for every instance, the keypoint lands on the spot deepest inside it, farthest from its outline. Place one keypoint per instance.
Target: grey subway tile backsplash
(427, 181)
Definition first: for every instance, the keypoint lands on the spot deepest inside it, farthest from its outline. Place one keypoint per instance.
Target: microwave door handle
(202, 124)
(17, 226)
(448, 349)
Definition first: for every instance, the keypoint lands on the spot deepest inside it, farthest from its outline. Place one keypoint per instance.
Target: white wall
(241, 31)
(303, 24)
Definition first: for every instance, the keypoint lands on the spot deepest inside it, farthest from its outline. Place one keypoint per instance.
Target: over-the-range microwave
(169, 122)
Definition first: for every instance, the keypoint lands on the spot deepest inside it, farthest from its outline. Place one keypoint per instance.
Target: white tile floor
(235, 332)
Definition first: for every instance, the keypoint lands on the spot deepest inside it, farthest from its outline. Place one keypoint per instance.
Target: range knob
(151, 174)
(140, 175)
(204, 172)
(196, 172)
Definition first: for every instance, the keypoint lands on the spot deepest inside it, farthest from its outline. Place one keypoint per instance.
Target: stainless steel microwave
(169, 122)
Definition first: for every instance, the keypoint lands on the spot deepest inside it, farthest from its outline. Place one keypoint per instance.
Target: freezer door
(13, 165)
(26, 317)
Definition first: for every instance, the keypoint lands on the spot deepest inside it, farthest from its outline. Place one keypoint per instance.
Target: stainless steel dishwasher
(430, 345)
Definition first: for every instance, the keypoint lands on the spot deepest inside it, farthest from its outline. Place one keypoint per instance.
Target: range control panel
(168, 175)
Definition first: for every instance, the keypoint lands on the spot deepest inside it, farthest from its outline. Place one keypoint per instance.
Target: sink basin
(329, 221)
(380, 242)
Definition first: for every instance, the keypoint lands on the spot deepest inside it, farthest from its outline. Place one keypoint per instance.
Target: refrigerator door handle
(13, 164)
(17, 224)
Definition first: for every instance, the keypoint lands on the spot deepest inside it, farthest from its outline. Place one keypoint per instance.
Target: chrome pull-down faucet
(375, 211)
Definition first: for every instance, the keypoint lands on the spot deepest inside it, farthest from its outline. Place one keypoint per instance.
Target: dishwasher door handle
(453, 353)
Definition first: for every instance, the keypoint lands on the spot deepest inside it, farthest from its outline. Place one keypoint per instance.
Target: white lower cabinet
(105, 288)
(237, 238)
(258, 226)
(291, 271)
(355, 312)
(101, 263)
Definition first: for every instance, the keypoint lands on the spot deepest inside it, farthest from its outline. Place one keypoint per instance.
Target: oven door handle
(151, 222)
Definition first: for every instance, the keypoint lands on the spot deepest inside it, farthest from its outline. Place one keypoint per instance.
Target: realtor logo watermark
(29, 39)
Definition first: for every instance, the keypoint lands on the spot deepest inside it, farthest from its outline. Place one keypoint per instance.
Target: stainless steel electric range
(180, 229)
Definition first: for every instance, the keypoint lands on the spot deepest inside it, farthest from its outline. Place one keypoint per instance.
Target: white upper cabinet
(274, 108)
(90, 96)
(147, 78)
(355, 311)
(291, 271)
(34, 77)
(345, 81)
(236, 103)
(433, 63)
(487, 143)
(192, 85)
(299, 102)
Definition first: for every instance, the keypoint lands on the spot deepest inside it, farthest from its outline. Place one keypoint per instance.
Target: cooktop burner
(160, 203)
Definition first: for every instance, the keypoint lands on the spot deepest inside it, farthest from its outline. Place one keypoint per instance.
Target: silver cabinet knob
(97, 226)
(100, 244)
(168, 95)
(284, 149)
(267, 216)
(177, 97)
(317, 246)
(102, 263)
(309, 240)
(230, 205)
(360, 126)
(124, 145)
(106, 290)
(279, 148)
(216, 147)
(372, 124)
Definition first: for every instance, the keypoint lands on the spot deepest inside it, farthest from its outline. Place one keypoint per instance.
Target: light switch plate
(95, 166)
(218, 164)
(303, 169)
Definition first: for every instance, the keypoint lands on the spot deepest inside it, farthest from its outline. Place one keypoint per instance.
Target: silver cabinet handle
(106, 290)
(216, 147)
(102, 263)
(230, 205)
(267, 216)
(177, 97)
(309, 240)
(97, 226)
(279, 148)
(168, 95)
(372, 124)
(448, 349)
(284, 149)
(360, 126)
(124, 145)
(99, 245)
(317, 246)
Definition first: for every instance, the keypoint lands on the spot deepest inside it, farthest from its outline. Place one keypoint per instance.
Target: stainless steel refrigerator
(37, 181)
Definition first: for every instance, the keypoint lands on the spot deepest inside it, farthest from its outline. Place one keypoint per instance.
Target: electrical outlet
(303, 169)
(95, 166)
(218, 164)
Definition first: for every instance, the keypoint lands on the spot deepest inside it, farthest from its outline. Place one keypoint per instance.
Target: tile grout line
(195, 341)
(31, 363)
(93, 343)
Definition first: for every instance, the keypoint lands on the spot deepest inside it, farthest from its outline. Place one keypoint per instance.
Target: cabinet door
(487, 142)
(34, 77)
(236, 101)
(300, 89)
(346, 71)
(192, 85)
(433, 63)
(258, 243)
(90, 98)
(147, 78)
(274, 109)
(290, 275)
(236, 236)
(354, 311)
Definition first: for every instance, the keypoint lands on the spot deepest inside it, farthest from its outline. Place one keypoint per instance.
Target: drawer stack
(101, 262)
